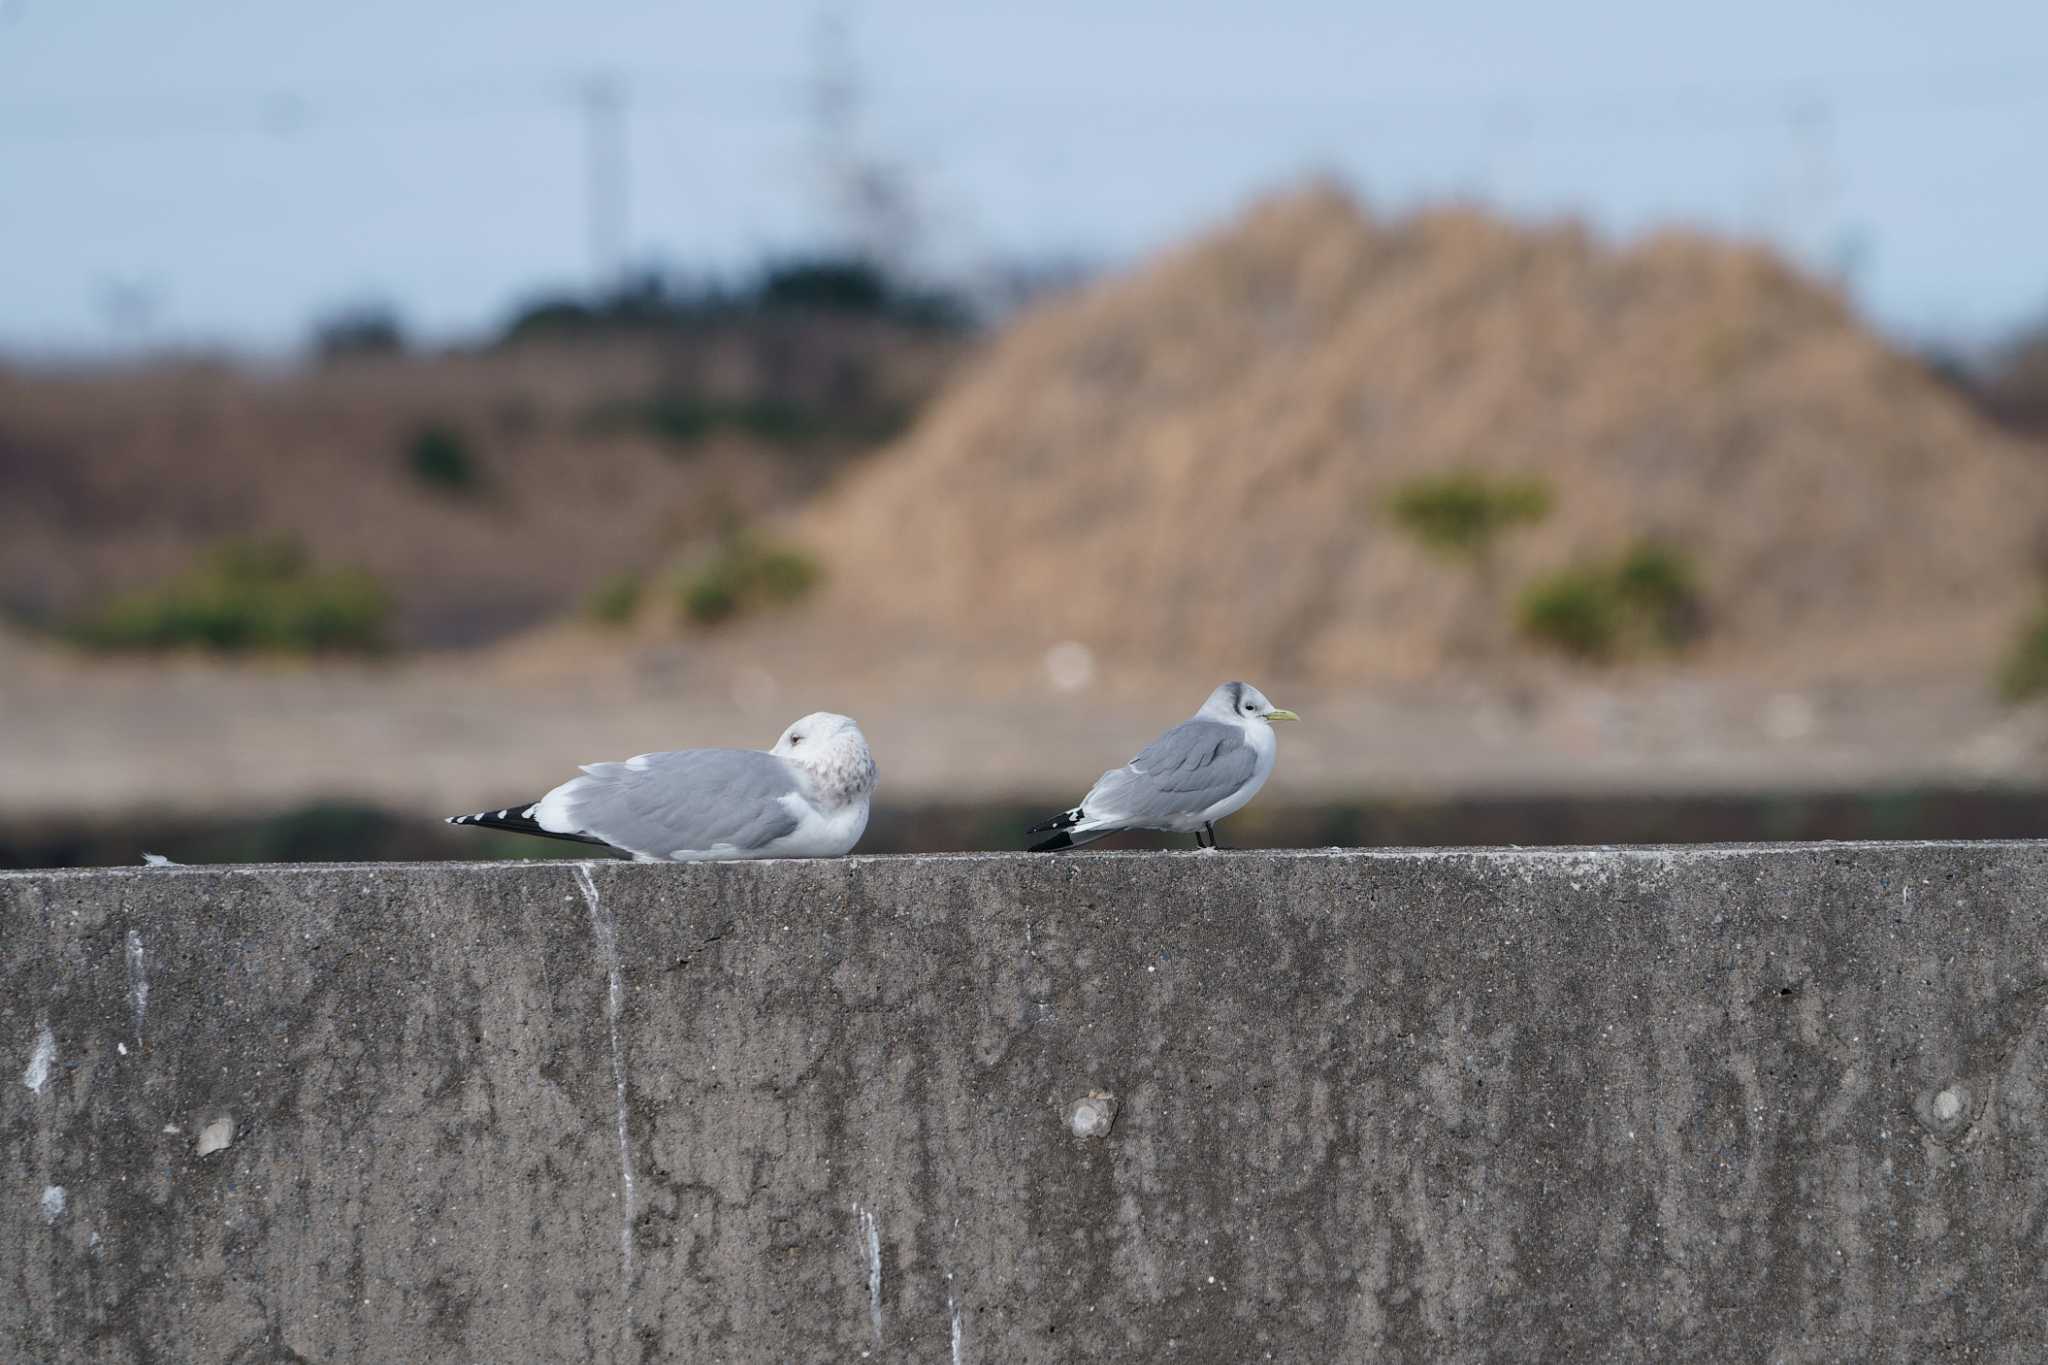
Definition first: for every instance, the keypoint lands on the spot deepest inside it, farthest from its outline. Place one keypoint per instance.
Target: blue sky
(217, 172)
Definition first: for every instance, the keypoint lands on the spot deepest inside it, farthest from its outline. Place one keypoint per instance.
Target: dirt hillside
(1190, 467)
(576, 461)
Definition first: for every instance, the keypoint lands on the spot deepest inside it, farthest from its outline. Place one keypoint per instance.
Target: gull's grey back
(687, 799)
(1188, 769)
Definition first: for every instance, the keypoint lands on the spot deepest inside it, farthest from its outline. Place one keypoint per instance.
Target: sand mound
(1191, 465)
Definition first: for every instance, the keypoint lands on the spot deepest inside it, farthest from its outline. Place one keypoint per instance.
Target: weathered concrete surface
(1783, 1103)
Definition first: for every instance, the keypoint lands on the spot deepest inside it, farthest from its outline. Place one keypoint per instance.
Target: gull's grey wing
(687, 800)
(1186, 770)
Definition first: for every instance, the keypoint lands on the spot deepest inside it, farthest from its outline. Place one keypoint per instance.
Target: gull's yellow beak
(1277, 714)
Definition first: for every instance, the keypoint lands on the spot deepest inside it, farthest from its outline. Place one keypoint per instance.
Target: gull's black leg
(1200, 842)
(1212, 834)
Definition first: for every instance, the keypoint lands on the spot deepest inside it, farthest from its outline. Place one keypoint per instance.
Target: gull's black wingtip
(519, 820)
(1054, 844)
(1066, 819)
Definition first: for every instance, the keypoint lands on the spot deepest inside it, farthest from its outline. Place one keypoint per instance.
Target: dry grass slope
(1190, 466)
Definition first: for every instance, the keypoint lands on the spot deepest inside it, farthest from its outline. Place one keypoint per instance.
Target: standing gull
(1190, 777)
(805, 798)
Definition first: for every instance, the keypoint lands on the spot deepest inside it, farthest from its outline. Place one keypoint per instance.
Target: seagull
(805, 798)
(1201, 770)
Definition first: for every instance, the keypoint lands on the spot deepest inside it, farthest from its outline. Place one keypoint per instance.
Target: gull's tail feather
(519, 820)
(1065, 839)
(1064, 822)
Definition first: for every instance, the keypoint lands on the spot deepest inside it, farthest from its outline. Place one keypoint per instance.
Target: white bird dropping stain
(954, 1313)
(871, 1256)
(37, 1073)
(138, 981)
(52, 1203)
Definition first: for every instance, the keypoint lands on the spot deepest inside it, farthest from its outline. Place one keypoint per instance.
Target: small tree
(1461, 514)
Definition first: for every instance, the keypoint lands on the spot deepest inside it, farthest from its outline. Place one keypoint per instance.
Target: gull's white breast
(820, 833)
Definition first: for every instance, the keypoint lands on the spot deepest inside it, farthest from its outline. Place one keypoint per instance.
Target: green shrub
(1646, 598)
(439, 457)
(1461, 513)
(1575, 610)
(2024, 671)
(1656, 584)
(710, 597)
(247, 595)
(614, 601)
(685, 420)
(784, 575)
(743, 574)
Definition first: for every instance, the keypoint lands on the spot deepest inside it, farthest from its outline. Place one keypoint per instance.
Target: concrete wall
(1783, 1103)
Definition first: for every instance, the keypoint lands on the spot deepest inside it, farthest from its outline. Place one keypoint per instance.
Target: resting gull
(805, 798)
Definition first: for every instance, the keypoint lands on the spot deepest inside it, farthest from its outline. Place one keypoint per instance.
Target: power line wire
(1699, 107)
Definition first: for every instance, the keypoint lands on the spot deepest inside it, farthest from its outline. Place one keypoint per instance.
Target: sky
(219, 172)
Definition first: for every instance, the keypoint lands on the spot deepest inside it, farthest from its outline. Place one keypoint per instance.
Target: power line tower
(607, 170)
(1815, 181)
(868, 203)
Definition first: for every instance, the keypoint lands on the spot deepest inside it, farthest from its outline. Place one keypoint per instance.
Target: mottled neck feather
(839, 773)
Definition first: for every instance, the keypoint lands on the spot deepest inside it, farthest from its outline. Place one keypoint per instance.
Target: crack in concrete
(37, 1074)
(871, 1254)
(605, 935)
(138, 982)
(2015, 1036)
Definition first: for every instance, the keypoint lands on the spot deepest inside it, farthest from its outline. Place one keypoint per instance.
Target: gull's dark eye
(796, 739)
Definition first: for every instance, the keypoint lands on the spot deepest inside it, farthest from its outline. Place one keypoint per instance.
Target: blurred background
(1601, 422)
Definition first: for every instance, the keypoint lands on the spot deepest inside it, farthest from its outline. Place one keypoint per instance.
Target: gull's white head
(833, 753)
(1244, 704)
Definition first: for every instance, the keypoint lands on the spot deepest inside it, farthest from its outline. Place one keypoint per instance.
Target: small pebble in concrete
(1092, 1115)
(52, 1203)
(1947, 1105)
(216, 1135)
